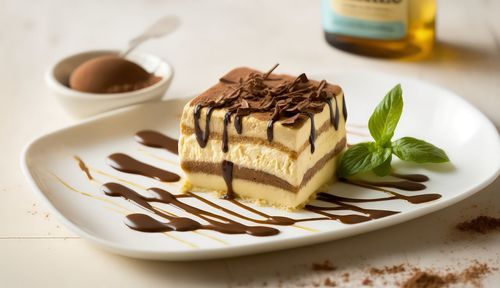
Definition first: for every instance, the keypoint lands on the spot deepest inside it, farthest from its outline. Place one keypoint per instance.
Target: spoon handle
(162, 27)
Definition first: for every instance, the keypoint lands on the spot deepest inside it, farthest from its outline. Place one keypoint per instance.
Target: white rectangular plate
(430, 113)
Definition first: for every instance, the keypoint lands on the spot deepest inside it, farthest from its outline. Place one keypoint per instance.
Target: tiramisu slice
(266, 137)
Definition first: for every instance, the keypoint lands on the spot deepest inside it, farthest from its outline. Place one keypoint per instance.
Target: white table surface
(36, 251)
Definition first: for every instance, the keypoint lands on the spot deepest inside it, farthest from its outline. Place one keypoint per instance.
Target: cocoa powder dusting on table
(405, 276)
(481, 224)
(367, 282)
(424, 280)
(329, 283)
(428, 279)
(388, 270)
(324, 266)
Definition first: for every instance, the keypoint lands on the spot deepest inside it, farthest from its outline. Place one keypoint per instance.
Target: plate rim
(253, 248)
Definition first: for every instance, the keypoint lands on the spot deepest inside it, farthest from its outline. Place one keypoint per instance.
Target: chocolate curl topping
(271, 70)
(289, 102)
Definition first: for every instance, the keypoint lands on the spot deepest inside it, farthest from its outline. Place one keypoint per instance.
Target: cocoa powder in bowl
(110, 74)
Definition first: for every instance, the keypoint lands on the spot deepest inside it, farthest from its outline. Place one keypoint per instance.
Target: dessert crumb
(367, 282)
(428, 279)
(481, 224)
(424, 280)
(329, 283)
(324, 266)
(388, 270)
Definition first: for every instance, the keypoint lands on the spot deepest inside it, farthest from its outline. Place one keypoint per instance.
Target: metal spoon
(162, 27)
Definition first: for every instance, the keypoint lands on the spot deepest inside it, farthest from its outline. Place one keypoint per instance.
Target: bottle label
(374, 19)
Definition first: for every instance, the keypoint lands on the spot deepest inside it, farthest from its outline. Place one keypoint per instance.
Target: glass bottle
(380, 28)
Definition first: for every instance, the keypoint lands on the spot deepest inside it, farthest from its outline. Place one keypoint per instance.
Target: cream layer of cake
(284, 171)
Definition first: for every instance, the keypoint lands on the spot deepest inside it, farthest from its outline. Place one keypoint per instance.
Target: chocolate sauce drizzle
(312, 134)
(222, 224)
(344, 107)
(268, 219)
(127, 164)
(411, 177)
(155, 139)
(291, 102)
(341, 205)
(202, 136)
(270, 129)
(415, 199)
(237, 124)
(83, 167)
(145, 223)
(402, 185)
(227, 174)
(334, 118)
(227, 119)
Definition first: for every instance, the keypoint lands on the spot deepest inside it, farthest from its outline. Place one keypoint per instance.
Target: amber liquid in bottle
(366, 37)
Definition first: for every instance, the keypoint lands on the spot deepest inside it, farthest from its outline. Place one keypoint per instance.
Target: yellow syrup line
(212, 237)
(192, 245)
(169, 213)
(122, 180)
(357, 125)
(197, 232)
(113, 203)
(144, 188)
(125, 213)
(360, 134)
(65, 184)
(145, 152)
(117, 178)
(305, 228)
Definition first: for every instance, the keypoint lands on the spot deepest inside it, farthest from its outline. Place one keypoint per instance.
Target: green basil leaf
(384, 169)
(386, 116)
(362, 157)
(419, 151)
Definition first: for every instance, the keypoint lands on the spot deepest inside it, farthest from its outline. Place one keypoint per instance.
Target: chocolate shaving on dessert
(481, 224)
(288, 101)
(227, 81)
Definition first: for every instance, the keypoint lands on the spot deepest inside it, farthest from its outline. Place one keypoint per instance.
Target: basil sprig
(377, 155)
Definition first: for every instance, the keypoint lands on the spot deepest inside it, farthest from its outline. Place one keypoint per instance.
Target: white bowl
(82, 104)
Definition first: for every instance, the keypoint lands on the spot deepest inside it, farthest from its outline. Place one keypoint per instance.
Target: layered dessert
(265, 137)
